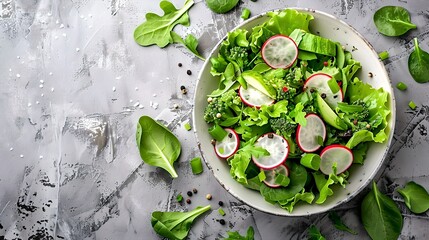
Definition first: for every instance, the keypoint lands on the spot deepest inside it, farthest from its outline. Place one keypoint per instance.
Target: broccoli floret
(223, 107)
(238, 55)
(282, 126)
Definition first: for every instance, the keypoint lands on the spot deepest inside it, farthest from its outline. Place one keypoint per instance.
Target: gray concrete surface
(74, 83)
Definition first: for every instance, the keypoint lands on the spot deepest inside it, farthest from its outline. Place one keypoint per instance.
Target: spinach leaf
(393, 21)
(418, 64)
(221, 6)
(175, 225)
(237, 236)
(284, 22)
(314, 234)
(190, 42)
(380, 215)
(157, 145)
(336, 220)
(416, 197)
(157, 29)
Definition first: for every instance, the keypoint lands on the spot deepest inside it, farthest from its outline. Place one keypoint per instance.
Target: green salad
(290, 116)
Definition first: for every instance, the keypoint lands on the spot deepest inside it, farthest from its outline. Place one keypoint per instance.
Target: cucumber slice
(279, 51)
(336, 154)
(278, 148)
(257, 81)
(229, 144)
(306, 136)
(252, 97)
(319, 82)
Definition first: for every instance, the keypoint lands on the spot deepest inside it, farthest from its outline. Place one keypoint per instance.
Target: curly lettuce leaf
(307, 197)
(284, 22)
(323, 184)
(377, 102)
(240, 160)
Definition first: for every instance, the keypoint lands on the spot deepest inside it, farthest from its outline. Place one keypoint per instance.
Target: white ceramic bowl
(360, 175)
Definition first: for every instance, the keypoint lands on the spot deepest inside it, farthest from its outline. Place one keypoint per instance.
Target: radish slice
(270, 175)
(337, 154)
(319, 82)
(306, 136)
(229, 144)
(279, 51)
(278, 148)
(253, 97)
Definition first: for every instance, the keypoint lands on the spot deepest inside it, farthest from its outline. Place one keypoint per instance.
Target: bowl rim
(391, 118)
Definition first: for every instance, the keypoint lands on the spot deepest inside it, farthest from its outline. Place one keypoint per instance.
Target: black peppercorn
(222, 222)
(194, 190)
(180, 65)
(189, 72)
(182, 87)
(188, 201)
(189, 193)
(323, 95)
(220, 203)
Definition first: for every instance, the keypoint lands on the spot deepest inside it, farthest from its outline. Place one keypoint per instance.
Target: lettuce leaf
(284, 22)
(377, 102)
(323, 184)
(307, 197)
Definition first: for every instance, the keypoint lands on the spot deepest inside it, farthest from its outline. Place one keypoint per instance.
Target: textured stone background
(74, 83)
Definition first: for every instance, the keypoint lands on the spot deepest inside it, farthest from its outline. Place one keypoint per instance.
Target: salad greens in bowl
(294, 112)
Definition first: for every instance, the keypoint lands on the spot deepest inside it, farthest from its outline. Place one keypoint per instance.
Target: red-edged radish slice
(252, 97)
(270, 175)
(306, 136)
(279, 51)
(229, 144)
(278, 148)
(337, 154)
(319, 82)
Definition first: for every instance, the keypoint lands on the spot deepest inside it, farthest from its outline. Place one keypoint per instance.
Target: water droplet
(136, 104)
(52, 89)
(37, 102)
(77, 49)
(11, 149)
(41, 81)
(18, 75)
(41, 157)
(136, 88)
(21, 156)
(62, 25)
(50, 74)
(114, 89)
(131, 100)
(42, 94)
(154, 95)
(29, 104)
(141, 106)
(64, 35)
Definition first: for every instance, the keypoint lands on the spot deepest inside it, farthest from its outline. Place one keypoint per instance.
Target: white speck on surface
(90, 15)
(11, 149)
(176, 106)
(118, 77)
(120, 22)
(150, 103)
(37, 102)
(41, 81)
(168, 78)
(49, 14)
(136, 88)
(141, 106)
(81, 16)
(52, 89)
(114, 89)
(41, 157)
(56, 37)
(136, 104)
(42, 94)
(77, 49)
(18, 75)
(10, 69)
(21, 156)
(155, 105)
(41, 86)
(62, 25)
(29, 104)
(57, 22)
(161, 81)
(131, 100)
(64, 35)
(154, 95)
(90, 26)
(18, 57)
(50, 74)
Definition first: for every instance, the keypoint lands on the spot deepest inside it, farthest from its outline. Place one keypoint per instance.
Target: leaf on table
(339, 224)
(416, 197)
(393, 21)
(176, 225)
(157, 29)
(190, 42)
(157, 145)
(237, 236)
(380, 215)
(418, 64)
(314, 234)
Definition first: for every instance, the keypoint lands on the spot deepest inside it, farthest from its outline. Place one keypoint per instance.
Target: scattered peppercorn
(188, 201)
(180, 65)
(194, 190)
(370, 74)
(183, 89)
(323, 95)
(209, 196)
(312, 90)
(230, 135)
(253, 0)
(270, 135)
(355, 122)
(189, 72)
(220, 203)
(222, 222)
(189, 193)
